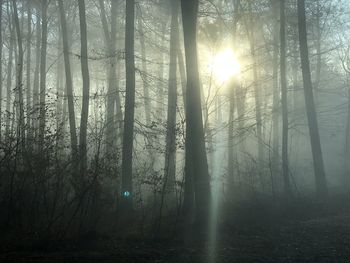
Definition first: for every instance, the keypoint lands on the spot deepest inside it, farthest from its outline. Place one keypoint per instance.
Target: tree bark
(276, 94)
(318, 53)
(9, 76)
(170, 150)
(194, 120)
(1, 93)
(257, 96)
(113, 89)
(233, 86)
(86, 89)
(36, 81)
(19, 84)
(42, 96)
(146, 97)
(160, 97)
(230, 148)
(285, 166)
(69, 85)
(128, 134)
(320, 176)
(28, 77)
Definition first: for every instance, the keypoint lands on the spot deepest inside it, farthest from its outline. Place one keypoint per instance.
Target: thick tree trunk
(285, 169)
(86, 89)
(194, 120)
(69, 85)
(128, 134)
(320, 176)
(188, 201)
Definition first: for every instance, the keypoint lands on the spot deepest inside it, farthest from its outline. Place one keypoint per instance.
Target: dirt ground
(321, 239)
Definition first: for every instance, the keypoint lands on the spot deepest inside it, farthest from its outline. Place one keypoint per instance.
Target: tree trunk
(347, 138)
(188, 201)
(285, 169)
(233, 86)
(194, 120)
(1, 94)
(9, 76)
(28, 79)
(160, 97)
(146, 97)
(59, 88)
(128, 134)
(320, 177)
(42, 97)
(36, 82)
(230, 148)
(170, 150)
(86, 89)
(112, 92)
(69, 85)
(257, 97)
(19, 84)
(318, 53)
(275, 96)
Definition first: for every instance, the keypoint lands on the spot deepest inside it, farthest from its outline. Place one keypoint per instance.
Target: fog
(172, 120)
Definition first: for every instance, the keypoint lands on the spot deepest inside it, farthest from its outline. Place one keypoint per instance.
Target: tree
(128, 134)
(257, 91)
(19, 84)
(276, 93)
(28, 79)
(9, 74)
(42, 93)
(285, 169)
(170, 151)
(146, 97)
(234, 85)
(86, 89)
(194, 120)
(113, 89)
(320, 176)
(69, 84)
(36, 81)
(1, 71)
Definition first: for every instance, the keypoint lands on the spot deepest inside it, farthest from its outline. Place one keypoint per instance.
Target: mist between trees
(144, 116)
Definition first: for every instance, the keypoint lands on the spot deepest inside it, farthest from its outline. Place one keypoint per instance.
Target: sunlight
(225, 65)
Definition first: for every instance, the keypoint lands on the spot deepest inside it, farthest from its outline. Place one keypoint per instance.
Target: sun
(225, 65)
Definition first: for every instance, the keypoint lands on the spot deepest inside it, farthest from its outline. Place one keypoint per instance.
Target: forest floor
(319, 238)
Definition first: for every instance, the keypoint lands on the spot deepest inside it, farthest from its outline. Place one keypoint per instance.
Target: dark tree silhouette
(194, 120)
(128, 134)
(320, 176)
